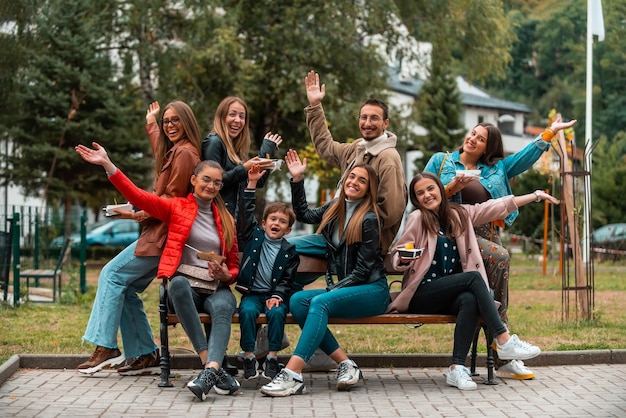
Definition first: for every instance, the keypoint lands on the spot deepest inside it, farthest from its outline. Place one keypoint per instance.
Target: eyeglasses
(175, 120)
(373, 118)
(218, 184)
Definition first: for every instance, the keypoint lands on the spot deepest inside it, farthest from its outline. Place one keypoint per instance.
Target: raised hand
(97, 156)
(295, 166)
(152, 112)
(254, 175)
(314, 92)
(275, 138)
(558, 124)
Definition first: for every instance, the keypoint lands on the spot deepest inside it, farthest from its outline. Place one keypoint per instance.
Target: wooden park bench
(318, 265)
(54, 274)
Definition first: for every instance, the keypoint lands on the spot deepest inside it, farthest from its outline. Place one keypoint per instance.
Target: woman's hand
(295, 166)
(558, 124)
(458, 183)
(219, 272)
(97, 156)
(275, 138)
(152, 112)
(263, 163)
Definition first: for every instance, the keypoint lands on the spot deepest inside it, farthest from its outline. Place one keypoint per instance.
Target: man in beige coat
(376, 147)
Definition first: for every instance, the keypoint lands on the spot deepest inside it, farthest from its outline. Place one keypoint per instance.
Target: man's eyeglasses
(218, 184)
(373, 118)
(174, 121)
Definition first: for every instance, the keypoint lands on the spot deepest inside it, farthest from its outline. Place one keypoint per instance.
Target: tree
(608, 180)
(475, 33)
(70, 92)
(439, 107)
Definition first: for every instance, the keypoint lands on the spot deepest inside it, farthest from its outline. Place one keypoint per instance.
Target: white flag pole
(588, 130)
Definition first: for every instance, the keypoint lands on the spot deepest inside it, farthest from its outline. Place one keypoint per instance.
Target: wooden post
(572, 219)
(546, 209)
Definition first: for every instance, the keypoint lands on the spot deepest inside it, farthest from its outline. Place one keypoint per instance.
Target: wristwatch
(536, 192)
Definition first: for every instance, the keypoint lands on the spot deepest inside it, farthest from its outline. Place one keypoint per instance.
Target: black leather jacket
(354, 264)
(235, 178)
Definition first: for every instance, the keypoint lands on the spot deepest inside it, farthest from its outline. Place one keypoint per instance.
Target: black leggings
(464, 295)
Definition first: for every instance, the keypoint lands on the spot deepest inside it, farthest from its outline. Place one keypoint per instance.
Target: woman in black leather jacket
(354, 257)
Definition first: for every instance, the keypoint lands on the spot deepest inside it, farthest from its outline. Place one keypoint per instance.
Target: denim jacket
(494, 178)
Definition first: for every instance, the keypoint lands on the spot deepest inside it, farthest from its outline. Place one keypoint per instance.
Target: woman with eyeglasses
(117, 306)
(196, 223)
(229, 144)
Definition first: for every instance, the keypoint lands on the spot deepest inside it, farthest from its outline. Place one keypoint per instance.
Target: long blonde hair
(238, 148)
(228, 222)
(336, 213)
(190, 129)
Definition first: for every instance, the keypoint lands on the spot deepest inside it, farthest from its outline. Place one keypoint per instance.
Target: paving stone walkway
(558, 391)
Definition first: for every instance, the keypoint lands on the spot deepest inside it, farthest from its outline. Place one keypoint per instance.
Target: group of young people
(204, 201)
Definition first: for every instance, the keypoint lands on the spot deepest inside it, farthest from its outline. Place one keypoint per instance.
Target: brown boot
(102, 358)
(144, 365)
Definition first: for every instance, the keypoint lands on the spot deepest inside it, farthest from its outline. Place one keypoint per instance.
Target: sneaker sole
(147, 371)
(343, 386)
(223, 392)
(197, 391)
(251, 377)
(460, 388)
(525, 357)
(516, 376)
(107, 364)
(293, 391)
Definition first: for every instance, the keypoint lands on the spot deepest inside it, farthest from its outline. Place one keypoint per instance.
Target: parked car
(610, 235)
(113, 233)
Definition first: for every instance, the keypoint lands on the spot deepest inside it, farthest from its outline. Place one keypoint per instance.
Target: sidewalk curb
(190, 361)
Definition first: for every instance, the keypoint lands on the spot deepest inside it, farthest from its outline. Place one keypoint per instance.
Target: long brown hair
(494, 150)
(450, 216)
(336, 213)
(228, 222)
(190, 129)
(238, 148)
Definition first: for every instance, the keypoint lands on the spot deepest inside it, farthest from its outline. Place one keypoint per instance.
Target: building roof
(404, 83)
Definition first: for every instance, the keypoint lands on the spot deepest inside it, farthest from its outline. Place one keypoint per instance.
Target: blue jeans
(312, 308)
(118, 305)
(314, 245)
(249, 309)
(464, 295)
(220, 305)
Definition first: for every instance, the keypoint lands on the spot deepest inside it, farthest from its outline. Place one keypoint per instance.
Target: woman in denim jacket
(482, 150)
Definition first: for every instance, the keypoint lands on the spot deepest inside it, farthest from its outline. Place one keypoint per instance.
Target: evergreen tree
(439, 107)
(70, 92)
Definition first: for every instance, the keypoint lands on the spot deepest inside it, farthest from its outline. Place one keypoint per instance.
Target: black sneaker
(226, 384)
(250, 368)
(271, 368)
(202, 384)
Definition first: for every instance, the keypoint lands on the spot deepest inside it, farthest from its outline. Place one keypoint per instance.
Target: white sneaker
(516, 349)
(284, 384)
(459, 377)
(515, 369)
(348, 375)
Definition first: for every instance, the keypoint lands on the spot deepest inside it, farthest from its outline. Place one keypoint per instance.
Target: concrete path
(595, 390)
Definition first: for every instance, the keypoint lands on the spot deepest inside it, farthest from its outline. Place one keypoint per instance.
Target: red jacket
(179, 214)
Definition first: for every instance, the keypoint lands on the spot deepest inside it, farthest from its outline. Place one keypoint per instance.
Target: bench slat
(380, 319)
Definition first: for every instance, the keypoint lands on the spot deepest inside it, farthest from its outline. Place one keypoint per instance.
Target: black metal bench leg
(165, 352)
(490, 360)
(475, 351)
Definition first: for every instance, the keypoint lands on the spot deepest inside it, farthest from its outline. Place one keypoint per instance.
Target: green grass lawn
(535, 313)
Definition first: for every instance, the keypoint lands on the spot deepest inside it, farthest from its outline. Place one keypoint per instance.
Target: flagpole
(588, 132)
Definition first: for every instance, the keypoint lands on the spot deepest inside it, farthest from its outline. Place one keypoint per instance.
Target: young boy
(268, 267)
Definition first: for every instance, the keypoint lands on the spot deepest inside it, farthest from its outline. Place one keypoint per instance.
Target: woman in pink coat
(449, 277)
